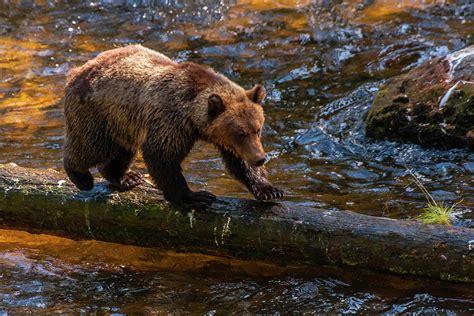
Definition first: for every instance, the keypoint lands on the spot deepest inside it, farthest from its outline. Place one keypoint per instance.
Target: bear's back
(113, 70)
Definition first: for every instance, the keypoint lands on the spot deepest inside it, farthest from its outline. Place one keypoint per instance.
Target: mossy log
(282, 233)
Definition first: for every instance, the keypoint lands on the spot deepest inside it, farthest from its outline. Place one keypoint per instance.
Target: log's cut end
(282, 233)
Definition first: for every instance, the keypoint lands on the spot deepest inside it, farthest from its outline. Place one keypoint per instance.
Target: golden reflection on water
(87, 44)
(98, 254)
(24, 95)
(275, 4)
(239, 18)
(381, 10)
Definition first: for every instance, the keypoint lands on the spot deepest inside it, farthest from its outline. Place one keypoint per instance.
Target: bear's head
(235, 121)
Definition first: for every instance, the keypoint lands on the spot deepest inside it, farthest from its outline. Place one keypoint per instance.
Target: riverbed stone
(432, 105)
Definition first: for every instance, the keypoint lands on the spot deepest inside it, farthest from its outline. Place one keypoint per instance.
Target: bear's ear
(257, 94)
(215, 106)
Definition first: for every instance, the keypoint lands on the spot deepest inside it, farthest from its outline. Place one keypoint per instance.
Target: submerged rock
(432, 105)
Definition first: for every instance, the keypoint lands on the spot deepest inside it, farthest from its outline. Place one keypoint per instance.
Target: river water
(321, 62)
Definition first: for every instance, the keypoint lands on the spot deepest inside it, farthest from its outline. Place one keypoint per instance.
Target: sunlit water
(51, 274)
(321, 62)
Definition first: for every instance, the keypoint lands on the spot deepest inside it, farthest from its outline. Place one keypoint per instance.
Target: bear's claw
(129, 180)
(268, 192)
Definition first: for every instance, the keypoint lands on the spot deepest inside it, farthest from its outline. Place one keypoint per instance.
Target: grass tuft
(439, 213)
(435, 212)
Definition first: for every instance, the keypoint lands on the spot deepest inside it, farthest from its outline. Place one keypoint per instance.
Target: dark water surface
(321, 62)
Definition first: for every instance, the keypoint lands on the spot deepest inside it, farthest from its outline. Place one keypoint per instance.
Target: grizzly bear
(133, 98)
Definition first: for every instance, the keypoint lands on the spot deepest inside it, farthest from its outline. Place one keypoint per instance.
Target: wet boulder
(433, 104)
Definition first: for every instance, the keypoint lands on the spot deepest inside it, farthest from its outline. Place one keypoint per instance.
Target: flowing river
(321, 62)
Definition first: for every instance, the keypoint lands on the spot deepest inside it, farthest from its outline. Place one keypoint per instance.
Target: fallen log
(283, 233)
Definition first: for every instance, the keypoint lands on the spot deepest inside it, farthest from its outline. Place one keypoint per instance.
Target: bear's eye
(242, 134)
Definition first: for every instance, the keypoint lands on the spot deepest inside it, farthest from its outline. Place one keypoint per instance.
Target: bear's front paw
(265, 192)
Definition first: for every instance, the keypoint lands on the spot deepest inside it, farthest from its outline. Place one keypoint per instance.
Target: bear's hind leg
(117, 172)
(83, 180)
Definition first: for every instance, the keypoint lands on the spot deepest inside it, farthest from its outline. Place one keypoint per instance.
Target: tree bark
(282, 233)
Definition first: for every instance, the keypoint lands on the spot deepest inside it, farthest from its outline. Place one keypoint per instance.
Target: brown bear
(132, 98)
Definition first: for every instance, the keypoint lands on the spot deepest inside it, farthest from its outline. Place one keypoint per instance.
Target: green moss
(455, 278)
(350, 263)
(462, 104)
(398, 270)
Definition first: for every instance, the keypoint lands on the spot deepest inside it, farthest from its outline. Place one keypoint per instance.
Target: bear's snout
(254, 153)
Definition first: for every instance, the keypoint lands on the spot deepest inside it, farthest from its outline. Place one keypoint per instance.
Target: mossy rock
(432, 105)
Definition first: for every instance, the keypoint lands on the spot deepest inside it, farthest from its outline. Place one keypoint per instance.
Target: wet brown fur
(134, 98)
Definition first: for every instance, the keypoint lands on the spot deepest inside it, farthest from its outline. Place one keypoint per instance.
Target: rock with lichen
(432, 105)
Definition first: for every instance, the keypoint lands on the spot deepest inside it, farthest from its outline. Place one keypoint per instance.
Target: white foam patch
(454, 60)
(446, 96)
